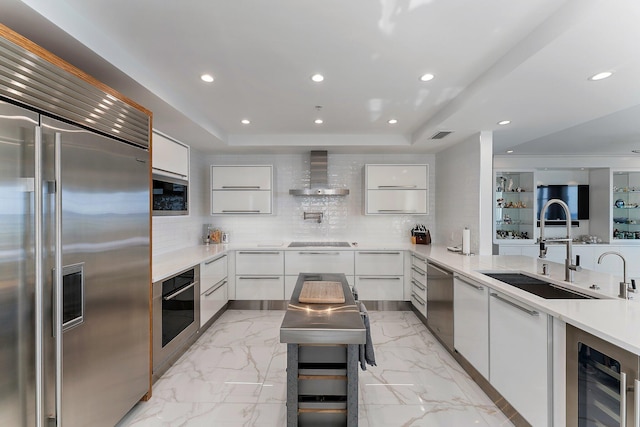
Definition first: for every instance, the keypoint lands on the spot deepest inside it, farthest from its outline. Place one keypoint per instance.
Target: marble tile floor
(234, 375)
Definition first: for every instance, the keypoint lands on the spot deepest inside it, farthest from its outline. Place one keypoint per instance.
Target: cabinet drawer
(419, 275)
(212, 300)
(419, 304)
(212, 271)
(240, 202)
(317, 261)
(395, 202)
(260, 262)
(384, 288)
(419, 289)
(241, 177)
(381, 263)
(259, 287)
(396, 177)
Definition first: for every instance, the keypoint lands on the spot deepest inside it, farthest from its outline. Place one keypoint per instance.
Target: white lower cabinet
(259, 275)
(379, 275)
(316, 261)
(519, 348)
(419, 283)
(213, 287)
(377, 288)
(291, 280)
(471, 322)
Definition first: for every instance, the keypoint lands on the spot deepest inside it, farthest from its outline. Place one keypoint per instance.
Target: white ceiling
(525, 61)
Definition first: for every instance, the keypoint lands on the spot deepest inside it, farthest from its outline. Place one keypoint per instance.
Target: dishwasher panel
(440, 303)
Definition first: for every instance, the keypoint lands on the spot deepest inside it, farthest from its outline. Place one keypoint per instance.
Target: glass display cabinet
(514, 205)
(626, 206)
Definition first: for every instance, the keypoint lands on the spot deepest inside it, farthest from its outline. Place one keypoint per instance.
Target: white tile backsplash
(343, 217)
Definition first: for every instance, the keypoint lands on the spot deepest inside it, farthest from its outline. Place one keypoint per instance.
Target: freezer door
(105, 227)
(17, 267)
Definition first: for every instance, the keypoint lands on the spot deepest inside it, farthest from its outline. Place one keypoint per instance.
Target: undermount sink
(319, 244)
(538, 287)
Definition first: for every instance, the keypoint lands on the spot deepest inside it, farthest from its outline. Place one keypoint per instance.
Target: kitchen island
(323, 342)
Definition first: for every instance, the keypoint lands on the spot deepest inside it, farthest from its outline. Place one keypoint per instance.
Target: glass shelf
(513, 210)
(625, 212)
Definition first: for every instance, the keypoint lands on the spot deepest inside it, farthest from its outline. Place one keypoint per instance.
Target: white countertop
(614, 320)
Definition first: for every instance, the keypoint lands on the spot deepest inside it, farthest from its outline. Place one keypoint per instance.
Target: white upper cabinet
(241, 190)
(170, 158)
(396, 189)
(241, 177)
(394, 177)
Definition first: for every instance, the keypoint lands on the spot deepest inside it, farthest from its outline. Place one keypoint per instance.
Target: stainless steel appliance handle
(398, 186)
(418, 284)
(378, 278)
(318, 253)
(240, 211)
(636, 393)
(215, 287)
(623, 399)
(58, 292)
(260, 278)
(39, 279)
(418, 270)
(214, 260)
(240, 187)
(519, 307)
(473, 285)
(179, 291)
(378, 253)
(448, 273)
(168, 171)
(259, 252)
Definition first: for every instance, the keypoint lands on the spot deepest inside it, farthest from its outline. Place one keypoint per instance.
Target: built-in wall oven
(176, 314)
(603, 387)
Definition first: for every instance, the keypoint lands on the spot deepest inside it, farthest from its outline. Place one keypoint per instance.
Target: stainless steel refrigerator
(74, 273)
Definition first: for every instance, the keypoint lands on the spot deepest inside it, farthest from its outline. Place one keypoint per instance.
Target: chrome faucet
(569, 266)
(625, 287)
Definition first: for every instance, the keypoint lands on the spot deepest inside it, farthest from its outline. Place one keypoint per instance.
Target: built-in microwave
(170, 196)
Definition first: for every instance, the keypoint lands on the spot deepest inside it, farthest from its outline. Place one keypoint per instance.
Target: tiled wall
(343, 216)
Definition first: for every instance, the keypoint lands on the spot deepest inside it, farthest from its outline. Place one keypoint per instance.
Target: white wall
(459, 185)
(343, 217)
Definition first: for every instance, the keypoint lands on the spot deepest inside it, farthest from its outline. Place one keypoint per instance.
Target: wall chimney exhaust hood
(319, 179)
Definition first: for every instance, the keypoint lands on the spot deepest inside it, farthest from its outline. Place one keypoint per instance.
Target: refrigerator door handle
(58, 294)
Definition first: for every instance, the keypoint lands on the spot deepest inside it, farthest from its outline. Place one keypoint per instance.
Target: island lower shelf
(323, 347)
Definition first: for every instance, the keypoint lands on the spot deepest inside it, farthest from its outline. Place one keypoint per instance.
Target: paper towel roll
(466, 241)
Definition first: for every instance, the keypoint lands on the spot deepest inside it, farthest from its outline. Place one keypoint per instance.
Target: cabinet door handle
(519, 307)
(398, 186)
(260, 278)
(636, 393)
(398, 210)
(418, 285)
(417, 299)
(377, 278)
(418, 258)
(215, 287)
(318, 253)
(623, 399)
(240, 187)
(417, 270)
(214, 260)
(240, 211)
(379, 253)
(473, 285)
(259, 252)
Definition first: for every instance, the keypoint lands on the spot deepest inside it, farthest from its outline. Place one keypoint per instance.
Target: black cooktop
(319, 244)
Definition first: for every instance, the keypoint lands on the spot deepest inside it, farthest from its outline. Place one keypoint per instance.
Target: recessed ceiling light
(245, 121)
(392, 121)
(426, 77)
(601, 76)
(317, 78)
(207, 78)
(504, 122)
(509, 151)
(318, 121)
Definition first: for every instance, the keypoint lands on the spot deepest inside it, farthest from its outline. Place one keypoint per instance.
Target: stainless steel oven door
(176, 314)
(602, 382)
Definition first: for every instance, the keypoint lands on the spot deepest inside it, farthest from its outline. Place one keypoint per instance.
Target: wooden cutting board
(321, 292)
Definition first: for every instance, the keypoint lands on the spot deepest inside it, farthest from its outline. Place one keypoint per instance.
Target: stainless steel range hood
(319, 179)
